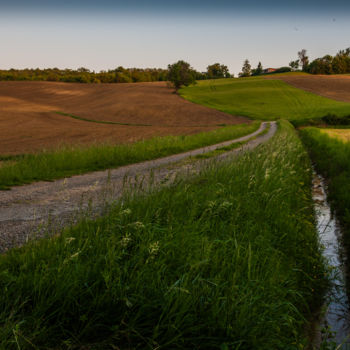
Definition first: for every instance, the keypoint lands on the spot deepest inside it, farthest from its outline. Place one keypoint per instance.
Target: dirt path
(28, 211)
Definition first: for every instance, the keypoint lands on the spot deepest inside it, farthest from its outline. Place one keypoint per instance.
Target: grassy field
(64, 162)
(331, 157)
(341, 134)
(263, 99)
(226, 259)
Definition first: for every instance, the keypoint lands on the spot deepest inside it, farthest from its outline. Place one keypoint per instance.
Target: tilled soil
(336, 87)
(30, 211)
(29, 122)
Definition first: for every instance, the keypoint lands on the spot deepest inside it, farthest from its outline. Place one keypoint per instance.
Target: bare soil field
(336, 87)
(29, 121)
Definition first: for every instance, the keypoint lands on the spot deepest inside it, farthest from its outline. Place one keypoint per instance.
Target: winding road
(30, 211)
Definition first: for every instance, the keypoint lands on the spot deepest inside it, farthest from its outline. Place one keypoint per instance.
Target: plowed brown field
(336, 87)
(29, 122)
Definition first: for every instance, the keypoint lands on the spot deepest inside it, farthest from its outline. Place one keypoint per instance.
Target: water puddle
(337, 315)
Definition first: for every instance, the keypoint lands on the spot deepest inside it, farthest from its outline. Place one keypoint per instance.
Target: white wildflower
(125, 240)
(125, 212)
(138, 225)
(154, 248)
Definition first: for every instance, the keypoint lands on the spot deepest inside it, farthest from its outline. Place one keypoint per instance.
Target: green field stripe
(130, 124)
(98, 121)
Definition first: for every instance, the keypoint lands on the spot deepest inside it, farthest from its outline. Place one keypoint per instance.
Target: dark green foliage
(217, 71)
(294, 65)
(339, 64)
(181, 74)
(332, 119)
(329, 119)
(246, 69)
(258, 70)
(227, 259)
(84, 75)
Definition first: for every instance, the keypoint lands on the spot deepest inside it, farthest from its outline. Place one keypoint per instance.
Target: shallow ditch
(333, 329)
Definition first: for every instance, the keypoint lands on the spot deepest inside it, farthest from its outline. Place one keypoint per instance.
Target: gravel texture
(43, 208)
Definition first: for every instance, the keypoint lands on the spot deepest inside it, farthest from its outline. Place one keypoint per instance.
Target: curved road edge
(30, 211)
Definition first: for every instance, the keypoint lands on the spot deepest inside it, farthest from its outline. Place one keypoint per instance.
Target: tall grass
(332, 159)
(226, 259)
(263, 99)
(68, 161)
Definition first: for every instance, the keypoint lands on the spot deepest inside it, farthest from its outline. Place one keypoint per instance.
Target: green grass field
(18, 170)
(226, 259)
(263, 99)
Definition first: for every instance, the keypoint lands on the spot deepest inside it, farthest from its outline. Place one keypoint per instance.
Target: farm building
(269, 70)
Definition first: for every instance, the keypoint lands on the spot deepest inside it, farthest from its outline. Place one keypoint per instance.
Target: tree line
(338, 64)
(118, 75)
(84, 75)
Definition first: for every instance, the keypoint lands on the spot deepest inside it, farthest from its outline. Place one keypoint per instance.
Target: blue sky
(138, 33)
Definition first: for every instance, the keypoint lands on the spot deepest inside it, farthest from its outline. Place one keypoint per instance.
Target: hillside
(29, 120)
(264, 98)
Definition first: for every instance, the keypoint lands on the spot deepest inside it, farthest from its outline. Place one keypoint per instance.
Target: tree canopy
(246, 69)
(84, 75)
(217, 70)
(338, 64)
(304, 59)
(181, 74)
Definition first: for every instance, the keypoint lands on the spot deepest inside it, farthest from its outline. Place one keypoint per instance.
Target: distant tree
(83, 70)
(258, 70)
(246, 69)
(217, 70)
(181, 74)
(304, 60)
(294, 65)
(338, 64)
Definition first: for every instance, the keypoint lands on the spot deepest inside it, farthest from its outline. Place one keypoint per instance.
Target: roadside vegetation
(225, 259)
(264, 99)
(49, 165)
(331, 157)
(329, 120)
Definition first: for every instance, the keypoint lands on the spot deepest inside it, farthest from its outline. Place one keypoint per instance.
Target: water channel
(337, 315)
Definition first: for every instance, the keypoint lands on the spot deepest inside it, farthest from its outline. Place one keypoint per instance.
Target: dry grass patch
(342, 134)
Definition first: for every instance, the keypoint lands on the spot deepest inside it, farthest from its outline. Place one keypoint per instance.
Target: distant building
(269, 70)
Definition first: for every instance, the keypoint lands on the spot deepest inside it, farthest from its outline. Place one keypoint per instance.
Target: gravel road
(26, 212)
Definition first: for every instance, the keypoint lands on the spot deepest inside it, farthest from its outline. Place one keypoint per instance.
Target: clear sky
(104, 34)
